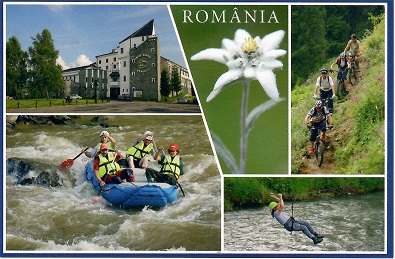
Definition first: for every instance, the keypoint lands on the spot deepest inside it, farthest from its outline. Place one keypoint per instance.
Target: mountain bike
(319, 147)
(340, 88)
(353, 72)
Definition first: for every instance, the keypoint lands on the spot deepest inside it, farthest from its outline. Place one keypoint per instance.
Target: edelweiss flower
(247, 59)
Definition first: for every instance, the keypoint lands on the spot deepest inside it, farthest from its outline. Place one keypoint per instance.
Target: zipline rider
(290, 223)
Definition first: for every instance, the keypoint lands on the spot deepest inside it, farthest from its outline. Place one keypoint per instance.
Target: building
(86, 81)
(132, 69)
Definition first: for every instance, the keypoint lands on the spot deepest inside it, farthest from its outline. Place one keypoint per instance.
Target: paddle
(69, 162)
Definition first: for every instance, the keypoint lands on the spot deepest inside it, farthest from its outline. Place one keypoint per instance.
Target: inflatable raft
(136, 194)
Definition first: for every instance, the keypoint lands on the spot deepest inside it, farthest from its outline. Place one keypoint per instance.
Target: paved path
(115, 107)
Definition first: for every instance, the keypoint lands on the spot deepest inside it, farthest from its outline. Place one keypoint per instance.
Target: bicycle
(319, 148)
(353, 72)
(340, 88)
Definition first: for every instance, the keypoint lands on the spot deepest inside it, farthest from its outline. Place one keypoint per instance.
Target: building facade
(134, 68)
(86, 81)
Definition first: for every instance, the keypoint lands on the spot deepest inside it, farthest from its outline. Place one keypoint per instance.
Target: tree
(45, 75)
(16, 71)
(165, 87)
(175, 81)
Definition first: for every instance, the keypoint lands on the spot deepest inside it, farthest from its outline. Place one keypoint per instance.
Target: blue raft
(136, 194)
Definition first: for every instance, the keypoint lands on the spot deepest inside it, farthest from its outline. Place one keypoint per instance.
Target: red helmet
(173, 147)
(103, 146)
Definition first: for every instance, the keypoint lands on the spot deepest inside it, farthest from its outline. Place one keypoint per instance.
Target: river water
(351, 224)
(67, 219)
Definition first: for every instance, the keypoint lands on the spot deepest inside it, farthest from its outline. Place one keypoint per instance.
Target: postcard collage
(197, 129)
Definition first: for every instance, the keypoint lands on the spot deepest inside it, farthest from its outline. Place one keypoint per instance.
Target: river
(351, 224)
(66, 218)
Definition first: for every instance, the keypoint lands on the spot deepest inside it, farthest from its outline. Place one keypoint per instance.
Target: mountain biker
(327, 88)
(355, 48)
(342, 68)
(317, 118)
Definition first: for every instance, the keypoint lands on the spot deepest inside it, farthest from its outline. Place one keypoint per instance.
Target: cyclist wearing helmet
(316, 119)
(289, 223)
(327, 88)
(342, 68)
(355, 48)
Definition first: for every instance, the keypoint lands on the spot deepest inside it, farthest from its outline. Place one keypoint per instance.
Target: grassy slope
(359, 120)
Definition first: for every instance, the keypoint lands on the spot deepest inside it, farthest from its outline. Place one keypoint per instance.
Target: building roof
(92, 66)
(147, 30)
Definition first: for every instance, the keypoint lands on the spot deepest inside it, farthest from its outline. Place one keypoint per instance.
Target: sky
(82, 31)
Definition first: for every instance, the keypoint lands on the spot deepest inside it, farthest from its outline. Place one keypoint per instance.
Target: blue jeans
(316, 125)
(305, 227)
(327, 95)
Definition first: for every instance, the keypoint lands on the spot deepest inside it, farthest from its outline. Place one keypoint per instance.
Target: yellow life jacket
(107, 166)
(138, 151)
(171, 166)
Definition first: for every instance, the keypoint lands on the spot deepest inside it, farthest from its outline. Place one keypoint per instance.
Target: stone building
(133, 69)
(86, 81)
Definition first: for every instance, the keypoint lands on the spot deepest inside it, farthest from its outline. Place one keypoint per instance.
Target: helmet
(103, 146)
(342, 55)
(148, 135)
(318, 104)
(173, 147)
(324, 70)
(104, 133)
(272, 205)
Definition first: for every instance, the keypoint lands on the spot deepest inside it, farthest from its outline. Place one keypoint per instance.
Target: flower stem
(243, 126)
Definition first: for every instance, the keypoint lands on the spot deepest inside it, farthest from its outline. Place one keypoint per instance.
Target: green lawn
(31, 103)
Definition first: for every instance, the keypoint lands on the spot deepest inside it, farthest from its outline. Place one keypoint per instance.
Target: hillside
(356, 145)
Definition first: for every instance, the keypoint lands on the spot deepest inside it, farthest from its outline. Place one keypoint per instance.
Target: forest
(242, 192)
(319, 32)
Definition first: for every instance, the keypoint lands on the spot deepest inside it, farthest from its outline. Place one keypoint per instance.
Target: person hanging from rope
(290, 223)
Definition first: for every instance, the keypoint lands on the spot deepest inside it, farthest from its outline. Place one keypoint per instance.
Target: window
(124, 78)
(142, 38)
(99, 61)
(153, 80)
(121, 50)
(106, 60)
(133, 73)
(114, 59)
(152, 50)
(133, 61)
(153, 64)
(124, 64)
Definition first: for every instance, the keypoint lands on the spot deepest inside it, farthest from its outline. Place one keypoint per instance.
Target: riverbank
(118, 107)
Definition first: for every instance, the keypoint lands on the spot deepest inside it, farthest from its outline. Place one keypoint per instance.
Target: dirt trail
(340, 132)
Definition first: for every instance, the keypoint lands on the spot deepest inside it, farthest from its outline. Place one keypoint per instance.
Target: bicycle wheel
(352, 76)
(339, 89)
(319, 152)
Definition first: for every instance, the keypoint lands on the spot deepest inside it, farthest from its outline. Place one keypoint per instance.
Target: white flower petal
(275, 53)
(271, 64)
(218, 55)
(271, 41)
(249, 73)
(268, 82)
(240, 37)
(225, 79)
(230, 45)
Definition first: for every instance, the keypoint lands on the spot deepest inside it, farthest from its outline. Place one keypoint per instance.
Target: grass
(34, 103)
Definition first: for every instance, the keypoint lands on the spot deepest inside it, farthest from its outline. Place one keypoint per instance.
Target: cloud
(60, 61)
(82, 60)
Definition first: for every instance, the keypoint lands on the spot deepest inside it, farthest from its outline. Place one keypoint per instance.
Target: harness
(289, 225)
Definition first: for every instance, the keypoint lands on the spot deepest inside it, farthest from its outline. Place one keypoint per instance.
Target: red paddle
(69, 162)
